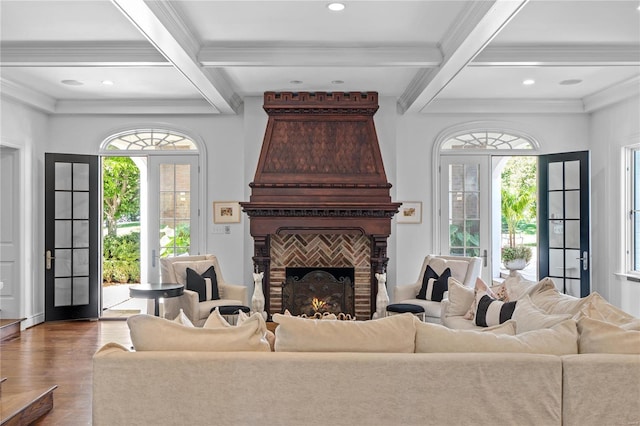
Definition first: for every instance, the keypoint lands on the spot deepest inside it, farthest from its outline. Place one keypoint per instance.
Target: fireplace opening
(319, 290)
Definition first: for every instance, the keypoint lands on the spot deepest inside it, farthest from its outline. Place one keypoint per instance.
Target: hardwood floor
(59, 354)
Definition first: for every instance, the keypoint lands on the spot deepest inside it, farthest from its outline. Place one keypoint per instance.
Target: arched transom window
(486, 140)
(150, 140)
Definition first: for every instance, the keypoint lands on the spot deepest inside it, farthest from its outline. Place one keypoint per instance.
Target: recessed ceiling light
(570, 82)
(296, 82)
(337, 81)
(335, 7)
(72, 82)
(107, 82)
(528, 82)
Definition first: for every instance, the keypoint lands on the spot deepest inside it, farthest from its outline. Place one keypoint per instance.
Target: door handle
(484, 255)
(585, 260)
(48, 259)
(153, 258)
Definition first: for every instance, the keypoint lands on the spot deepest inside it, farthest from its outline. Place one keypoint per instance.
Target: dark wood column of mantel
(320, 171)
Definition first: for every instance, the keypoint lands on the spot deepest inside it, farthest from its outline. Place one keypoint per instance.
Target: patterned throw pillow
(480, 286)
(434, 285)
(206, 285)
(490, 311)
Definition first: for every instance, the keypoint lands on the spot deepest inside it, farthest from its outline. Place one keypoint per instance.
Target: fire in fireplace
(318, 290)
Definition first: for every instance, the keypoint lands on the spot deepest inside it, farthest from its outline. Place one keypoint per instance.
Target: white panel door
(9, 234)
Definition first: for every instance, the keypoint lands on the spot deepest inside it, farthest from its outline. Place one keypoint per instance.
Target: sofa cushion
(205, 284)
(561, 339)
(603, 337)
(460, 298)
(150, 333)
(395, 333)
(529, 317)
(552, 301)
(434, 285)
(490, 311)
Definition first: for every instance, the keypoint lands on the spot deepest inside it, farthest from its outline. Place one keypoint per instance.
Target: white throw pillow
(561, 339)
(598, 308)
(216, 320)
(150, 333)
(602, 337)
(390, 334)
(183, 319)
(529, 317)
(460, 298)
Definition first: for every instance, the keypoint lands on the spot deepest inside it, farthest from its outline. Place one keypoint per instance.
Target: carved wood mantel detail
(320, 171)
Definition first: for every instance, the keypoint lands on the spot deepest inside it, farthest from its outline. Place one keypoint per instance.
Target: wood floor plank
(59, 354)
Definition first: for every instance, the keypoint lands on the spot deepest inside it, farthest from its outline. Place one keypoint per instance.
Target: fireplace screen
(318, 290)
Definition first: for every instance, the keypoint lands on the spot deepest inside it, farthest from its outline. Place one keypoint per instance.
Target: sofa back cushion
(562, 339)
(603, 337)
(391, 334)
(150, 333)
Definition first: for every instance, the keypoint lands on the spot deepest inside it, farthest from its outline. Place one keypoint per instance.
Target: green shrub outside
(121, 258)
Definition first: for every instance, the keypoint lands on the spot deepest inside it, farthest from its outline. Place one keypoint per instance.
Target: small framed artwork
(226, 212)
(410, 212)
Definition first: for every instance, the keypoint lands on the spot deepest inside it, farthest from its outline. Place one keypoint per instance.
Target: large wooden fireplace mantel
(320, 171)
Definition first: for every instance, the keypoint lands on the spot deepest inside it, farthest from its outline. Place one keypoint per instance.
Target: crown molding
(505, 106)
(613, 94)
(475, 28)
(312, 56)
(27, 96)
(559, 55)
(73, 54)
(135, 106)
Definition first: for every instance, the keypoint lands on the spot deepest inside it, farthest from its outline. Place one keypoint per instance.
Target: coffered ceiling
(206, 56)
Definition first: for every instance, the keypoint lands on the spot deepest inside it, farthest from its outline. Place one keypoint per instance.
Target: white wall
(26, 129)
(610, 130)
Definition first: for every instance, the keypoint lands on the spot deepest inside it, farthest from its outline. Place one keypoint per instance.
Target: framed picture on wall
(226, 212)
(410, 212)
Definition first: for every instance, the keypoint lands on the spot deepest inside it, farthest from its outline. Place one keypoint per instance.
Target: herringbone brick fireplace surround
(322, 251)
(320, 196)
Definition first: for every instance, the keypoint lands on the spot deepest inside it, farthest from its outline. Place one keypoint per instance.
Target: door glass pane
(63, 205)
(62, 262)
(62, 294)
(573, 287)
(183, 205)
(556, 233)
(62, 176)
(471, 177)
(81, 205)
(472, 232)
(167, 204)
(572, 204)
(572, 175)
(175, 209)
(81, 291)
(556, 262)
(555, 176)
(559, 283)
(456, 177)
(80, 177)
(555, 205)
(457, 205)
(81, 262)
(472, 206)
(62, 233)
(572, 261)
(167, 177)
(456, 233)
(183, 177)
(572, 229)
(80, 233)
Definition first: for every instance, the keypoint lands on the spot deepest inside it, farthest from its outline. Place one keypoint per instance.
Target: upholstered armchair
(174, 270)
(464, 269)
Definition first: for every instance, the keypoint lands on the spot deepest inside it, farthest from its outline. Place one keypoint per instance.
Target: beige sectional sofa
(389, 371)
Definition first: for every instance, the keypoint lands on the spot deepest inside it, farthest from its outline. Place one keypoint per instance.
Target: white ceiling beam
(85, 54)
(478, 25)
(611, 95)
(165, 30)
(558, 55)
(505, 106)
(135, 106)
(314, 56)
